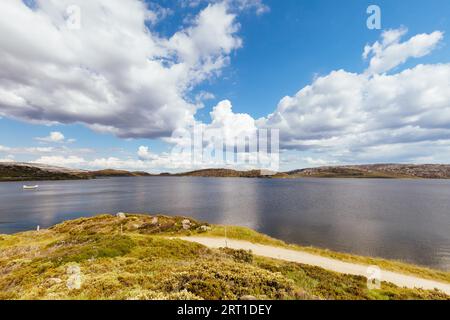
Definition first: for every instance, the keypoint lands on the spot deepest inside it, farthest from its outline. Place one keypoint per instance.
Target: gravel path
(398, 279)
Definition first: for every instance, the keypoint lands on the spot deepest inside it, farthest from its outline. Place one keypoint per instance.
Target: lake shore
(137, 257)
(12, 171)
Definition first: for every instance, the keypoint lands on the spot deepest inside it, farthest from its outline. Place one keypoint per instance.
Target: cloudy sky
(114, 88)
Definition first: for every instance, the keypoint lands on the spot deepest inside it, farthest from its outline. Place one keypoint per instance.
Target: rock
(186, 224)
(121, 215)
(74, 281)
(248, 297)
(73, 269)
(205, 228)
(154, 221)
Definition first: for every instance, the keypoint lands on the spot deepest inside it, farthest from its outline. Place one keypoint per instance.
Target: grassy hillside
(24, 172)
(37, 172)
(376, 171)
(136, 258)
(14, 172)
(383, 171)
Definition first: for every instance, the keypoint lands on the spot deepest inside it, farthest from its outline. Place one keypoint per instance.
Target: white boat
(30, 187)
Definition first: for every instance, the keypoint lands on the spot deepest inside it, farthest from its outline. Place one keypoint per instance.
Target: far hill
(117, 173)
(225, 173)
(384, 171)
(16, 171)
(380, 171)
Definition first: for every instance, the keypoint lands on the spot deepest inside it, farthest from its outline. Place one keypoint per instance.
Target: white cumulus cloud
(390, 52)
(113, 73)
(145, 154)
(372, 116)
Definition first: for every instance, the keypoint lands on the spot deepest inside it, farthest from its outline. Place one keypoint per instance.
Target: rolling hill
(383, 171)
(225, 173)
(14, 171)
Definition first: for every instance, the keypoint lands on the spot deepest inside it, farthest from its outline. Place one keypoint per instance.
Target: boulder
(205, 228)
(121, 215)
(186, 224)
(74, 281)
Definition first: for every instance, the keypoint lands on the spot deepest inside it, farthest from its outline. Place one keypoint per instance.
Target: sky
(123, 84)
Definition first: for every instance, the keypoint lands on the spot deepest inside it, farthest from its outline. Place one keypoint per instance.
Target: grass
(134, 258)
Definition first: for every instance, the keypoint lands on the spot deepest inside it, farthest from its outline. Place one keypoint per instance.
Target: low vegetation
(137, 257)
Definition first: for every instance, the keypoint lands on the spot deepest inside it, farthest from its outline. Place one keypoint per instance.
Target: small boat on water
(30, 187)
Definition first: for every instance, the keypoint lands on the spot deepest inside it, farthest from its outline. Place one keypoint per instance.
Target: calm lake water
(399, 219)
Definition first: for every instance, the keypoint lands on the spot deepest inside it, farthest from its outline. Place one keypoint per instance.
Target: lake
(407, 220)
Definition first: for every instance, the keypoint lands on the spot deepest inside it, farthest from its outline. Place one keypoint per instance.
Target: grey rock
(205, 228)
(121, 215)
(186, 224)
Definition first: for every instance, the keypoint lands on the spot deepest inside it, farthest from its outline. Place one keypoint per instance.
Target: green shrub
(83, 247)
(219, 280)
(239, 255)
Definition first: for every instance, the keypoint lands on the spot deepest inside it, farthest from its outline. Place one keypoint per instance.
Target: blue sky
(283, 47)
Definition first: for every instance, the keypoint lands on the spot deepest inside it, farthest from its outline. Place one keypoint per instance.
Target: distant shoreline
(2, 180)
(22, 172)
